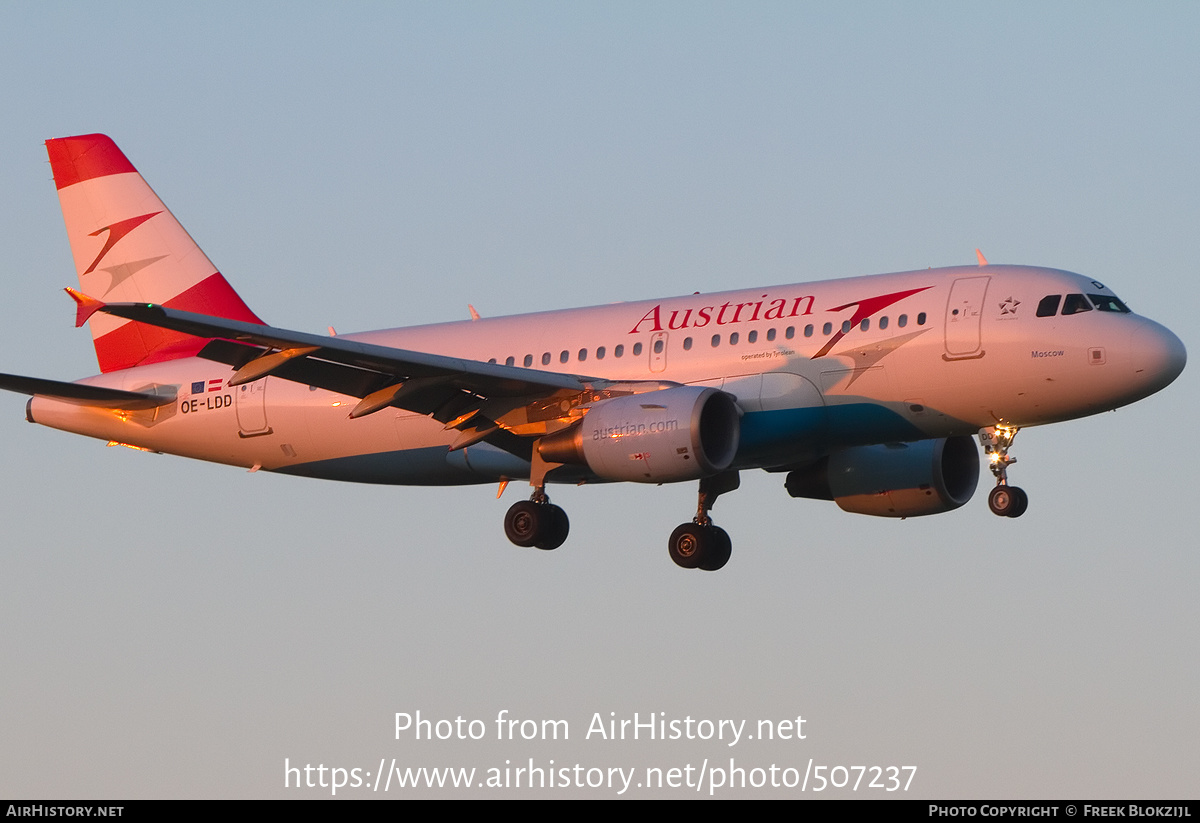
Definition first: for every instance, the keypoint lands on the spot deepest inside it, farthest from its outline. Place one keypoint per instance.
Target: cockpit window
(1076, 303)
(1107, 302)
(1048, 307)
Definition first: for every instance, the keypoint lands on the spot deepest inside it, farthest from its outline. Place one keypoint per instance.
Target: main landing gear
(537, 521)
(1004, 500)
(700, 544)
(696, 545)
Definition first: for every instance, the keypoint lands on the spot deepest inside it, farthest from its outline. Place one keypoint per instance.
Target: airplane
(868, 391)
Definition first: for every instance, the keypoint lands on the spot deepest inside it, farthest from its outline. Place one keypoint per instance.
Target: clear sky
(179, 629)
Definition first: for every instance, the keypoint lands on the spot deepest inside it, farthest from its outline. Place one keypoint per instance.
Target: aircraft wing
(484, 401)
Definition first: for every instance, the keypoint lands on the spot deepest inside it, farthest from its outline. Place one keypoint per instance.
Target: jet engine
(893, 480)
(680, 433)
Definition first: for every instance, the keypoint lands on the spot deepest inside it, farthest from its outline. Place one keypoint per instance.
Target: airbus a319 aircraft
(867, 391)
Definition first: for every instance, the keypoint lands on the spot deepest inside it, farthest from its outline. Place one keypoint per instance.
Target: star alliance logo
(1009, 306)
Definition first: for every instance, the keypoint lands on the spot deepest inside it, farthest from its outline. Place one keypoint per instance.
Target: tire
(1001, 500)
(556, 526)
(720, 550)
(688, 545)
(1020, 502)
(525, 523)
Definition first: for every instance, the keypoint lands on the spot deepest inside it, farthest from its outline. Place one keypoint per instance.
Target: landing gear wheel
(1020, 501)
(555, 528)
(687, 545)
(693, 546)
(523, 523)
(1008, 501)
(536, 524)
(721, 548)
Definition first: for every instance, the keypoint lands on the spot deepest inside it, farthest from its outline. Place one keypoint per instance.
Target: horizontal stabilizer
(85, 306)
(84, 395)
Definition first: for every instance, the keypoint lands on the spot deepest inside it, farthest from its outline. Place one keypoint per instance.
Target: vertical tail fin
(129, 248)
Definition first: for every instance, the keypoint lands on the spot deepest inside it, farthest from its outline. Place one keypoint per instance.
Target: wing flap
(348, 380)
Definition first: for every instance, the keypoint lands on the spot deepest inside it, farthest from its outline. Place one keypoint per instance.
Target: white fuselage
(814, 367)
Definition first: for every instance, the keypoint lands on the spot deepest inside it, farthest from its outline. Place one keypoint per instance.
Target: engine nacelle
(894, 480)
(680, 433)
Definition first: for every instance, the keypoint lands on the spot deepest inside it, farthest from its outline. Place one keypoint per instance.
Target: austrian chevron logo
(866, 308)
(116, 232)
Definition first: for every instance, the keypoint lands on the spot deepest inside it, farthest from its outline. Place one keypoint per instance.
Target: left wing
(484, 401)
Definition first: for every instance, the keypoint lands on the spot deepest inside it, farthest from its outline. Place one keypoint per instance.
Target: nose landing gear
(1004, 500)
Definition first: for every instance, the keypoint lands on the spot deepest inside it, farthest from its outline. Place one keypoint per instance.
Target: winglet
(85, 306)
(981, 258)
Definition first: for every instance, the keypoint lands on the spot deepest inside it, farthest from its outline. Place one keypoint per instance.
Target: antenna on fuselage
(981, 258)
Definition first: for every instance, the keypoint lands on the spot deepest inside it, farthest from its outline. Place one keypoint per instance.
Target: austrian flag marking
(199, 386)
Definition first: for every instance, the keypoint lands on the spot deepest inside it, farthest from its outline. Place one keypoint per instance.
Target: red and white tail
(129, 248)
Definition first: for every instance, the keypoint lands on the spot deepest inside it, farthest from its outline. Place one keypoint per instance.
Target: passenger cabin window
(509, 361)
(600, 353)
(546, 359)
(752, 337)
(770, 335)
(1075, 304)
(637, 349)
(687, 344)
(619, 350)
(528, 360)
(1048, 307)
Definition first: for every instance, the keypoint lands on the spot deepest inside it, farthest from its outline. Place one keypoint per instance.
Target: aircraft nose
(1157, 355)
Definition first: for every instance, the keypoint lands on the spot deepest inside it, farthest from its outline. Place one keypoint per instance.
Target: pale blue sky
(173, 629)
